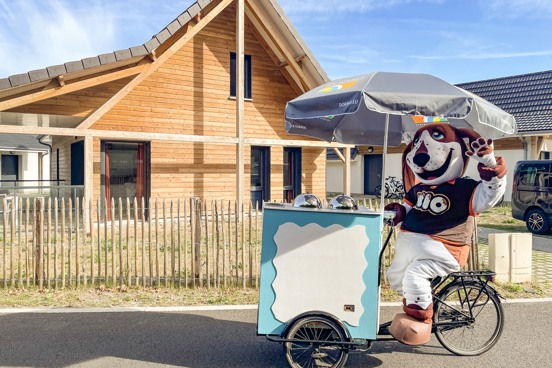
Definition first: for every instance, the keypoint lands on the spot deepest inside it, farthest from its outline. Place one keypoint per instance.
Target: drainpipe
(42, 156)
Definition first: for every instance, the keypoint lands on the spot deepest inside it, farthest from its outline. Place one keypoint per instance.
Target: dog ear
(409, 179)
(467, 136)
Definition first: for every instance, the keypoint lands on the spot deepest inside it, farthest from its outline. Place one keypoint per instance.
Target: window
(10, 170)
(534, 175)
(260, 175)
(125, 171)
(246, 79)
(292, 173)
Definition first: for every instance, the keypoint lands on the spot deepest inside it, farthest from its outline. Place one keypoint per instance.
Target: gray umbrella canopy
(354, 110)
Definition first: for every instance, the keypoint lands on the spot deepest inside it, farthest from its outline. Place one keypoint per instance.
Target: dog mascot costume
(436, 229)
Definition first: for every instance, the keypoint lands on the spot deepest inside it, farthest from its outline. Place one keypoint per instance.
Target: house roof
(272, 12)
(22, 142)
(527, 96)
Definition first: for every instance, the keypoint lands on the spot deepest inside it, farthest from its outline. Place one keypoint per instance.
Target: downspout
(43, 154)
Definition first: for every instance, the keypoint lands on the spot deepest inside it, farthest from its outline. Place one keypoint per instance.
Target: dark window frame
(247, 77)
(293, 158)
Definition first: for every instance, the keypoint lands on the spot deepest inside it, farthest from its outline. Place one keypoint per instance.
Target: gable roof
(527, 96)
(272, 14)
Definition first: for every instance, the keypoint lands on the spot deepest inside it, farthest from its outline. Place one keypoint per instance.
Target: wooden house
(197, 111)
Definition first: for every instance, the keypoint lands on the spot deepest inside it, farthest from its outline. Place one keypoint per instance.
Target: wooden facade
(175, 101)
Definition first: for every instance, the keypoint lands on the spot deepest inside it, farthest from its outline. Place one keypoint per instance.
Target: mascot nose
(420, 159)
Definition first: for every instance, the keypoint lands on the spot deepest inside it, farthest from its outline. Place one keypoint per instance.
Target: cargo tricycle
(321, 271)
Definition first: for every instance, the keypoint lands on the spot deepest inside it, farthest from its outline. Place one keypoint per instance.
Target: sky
(456, 40)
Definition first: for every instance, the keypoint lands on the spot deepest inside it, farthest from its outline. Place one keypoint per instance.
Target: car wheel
(537, 223)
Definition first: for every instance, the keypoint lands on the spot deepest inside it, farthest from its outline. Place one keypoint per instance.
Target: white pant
(418, 259)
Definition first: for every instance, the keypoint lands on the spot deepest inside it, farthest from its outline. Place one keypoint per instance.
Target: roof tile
(152, 44)
(138, 51)
(194, 9)
(74, 66)
(107, 58)
(174, 26)
(184, 18)
(163, 35)
(19, 79)
(55, 70)
(203, 3)
(38, 74)
(91, 62)
(122, 54)
(5, 83)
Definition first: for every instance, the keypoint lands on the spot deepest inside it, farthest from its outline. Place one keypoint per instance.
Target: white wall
(334, 175)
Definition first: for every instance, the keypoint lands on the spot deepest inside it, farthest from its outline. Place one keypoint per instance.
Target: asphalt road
(227, 338)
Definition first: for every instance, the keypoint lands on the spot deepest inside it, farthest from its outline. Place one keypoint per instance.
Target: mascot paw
(483, 152)
(409, 330)
(400, 212)
(489, 173)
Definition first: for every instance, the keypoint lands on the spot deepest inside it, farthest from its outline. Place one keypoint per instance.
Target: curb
(195, 308)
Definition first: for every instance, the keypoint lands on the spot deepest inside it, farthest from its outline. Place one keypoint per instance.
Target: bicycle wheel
(377, 190)
(467, 335)
(315, 354)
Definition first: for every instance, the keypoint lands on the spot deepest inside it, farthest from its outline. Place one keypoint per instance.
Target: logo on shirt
(436, 204)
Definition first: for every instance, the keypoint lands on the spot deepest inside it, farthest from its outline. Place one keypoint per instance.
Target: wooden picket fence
(184, 243)
(173, 243)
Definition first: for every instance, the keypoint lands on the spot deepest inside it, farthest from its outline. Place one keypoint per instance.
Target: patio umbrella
(383, 108)
(357, 110)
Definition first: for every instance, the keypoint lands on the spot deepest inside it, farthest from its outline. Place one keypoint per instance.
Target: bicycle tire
(488, 318)
(309, 355)
(377, 190)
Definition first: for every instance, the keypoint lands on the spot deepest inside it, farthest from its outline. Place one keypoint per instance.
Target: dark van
(532, 195)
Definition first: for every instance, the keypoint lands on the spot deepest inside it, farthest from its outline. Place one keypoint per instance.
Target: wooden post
(88, 175)
(347, 171)
(240, 61)
(197, 242)
(39, 243)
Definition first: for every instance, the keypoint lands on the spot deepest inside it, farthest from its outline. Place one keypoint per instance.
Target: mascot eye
(437, 135)
(416, 140)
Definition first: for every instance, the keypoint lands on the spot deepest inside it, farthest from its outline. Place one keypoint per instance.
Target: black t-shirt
(441, 210)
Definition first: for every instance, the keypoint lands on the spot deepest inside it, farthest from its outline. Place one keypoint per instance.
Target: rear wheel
(319, 333)
(473, 316)
(537, 222)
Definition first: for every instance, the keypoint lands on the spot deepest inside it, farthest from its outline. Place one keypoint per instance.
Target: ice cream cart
(321, 263)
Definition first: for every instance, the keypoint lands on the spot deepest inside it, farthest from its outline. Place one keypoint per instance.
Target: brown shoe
(410, 330)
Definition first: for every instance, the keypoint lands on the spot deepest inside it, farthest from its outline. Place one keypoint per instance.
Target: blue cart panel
(320, 260)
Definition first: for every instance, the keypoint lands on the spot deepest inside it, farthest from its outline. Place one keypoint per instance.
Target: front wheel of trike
(468, 318)
(317, 350)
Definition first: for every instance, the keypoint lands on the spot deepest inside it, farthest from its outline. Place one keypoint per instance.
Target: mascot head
(437, 154)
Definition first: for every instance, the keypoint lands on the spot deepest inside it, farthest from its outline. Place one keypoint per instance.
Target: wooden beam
(152, 56)
(60, 80)
(347, 171)
(70, 87)
(339, 154)
(240, 107)
(99, 113)
(292, 143)
(253, 12)
(88, 178)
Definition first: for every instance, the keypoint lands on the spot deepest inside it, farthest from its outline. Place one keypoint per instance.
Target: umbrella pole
(384, 159)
